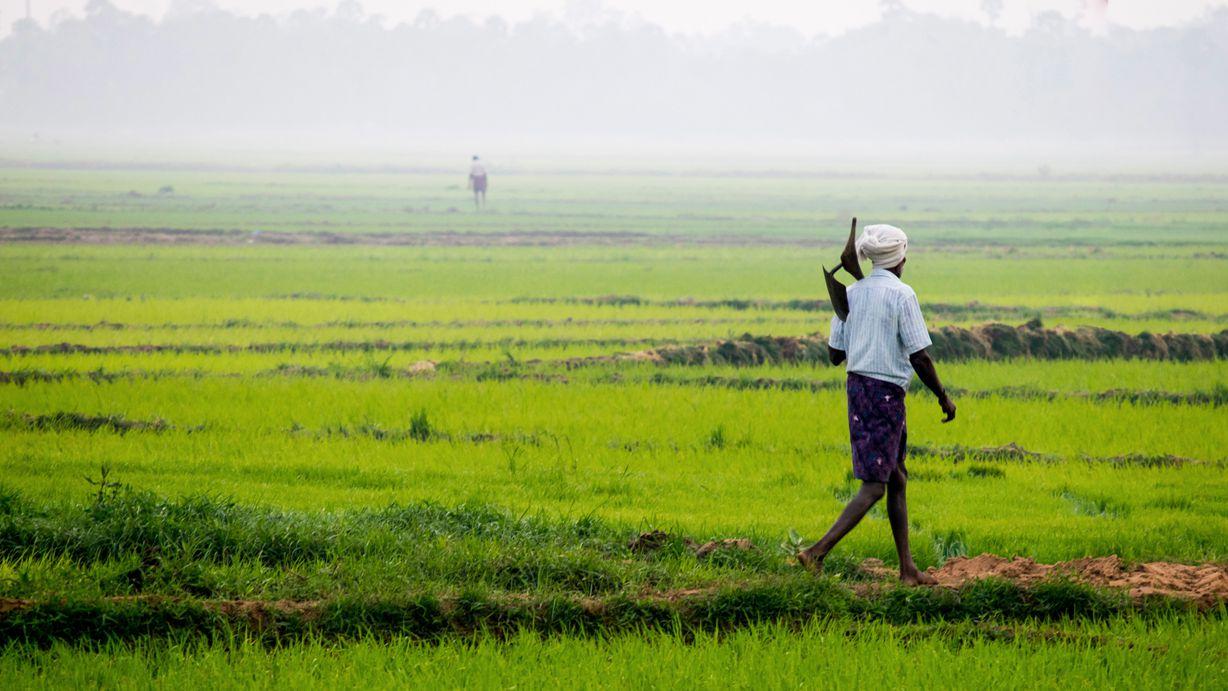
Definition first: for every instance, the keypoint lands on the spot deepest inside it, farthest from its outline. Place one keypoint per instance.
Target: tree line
(911, 76)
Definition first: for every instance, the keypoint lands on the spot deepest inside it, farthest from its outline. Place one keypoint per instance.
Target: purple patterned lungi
(877, 427)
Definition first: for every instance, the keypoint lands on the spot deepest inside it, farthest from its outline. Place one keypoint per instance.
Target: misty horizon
(911, 81)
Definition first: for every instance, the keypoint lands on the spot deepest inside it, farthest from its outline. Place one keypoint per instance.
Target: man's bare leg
(897, 514)
(857, 508)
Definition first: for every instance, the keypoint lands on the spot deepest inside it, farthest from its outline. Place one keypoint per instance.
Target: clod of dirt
(739, 544)
(422, 367)
(645, 356)
(10, 604)
(876, 569)
(1206, 584)
(680, 595)
(649, 542)
(1007, 452)
(259, 612)
(646, 543)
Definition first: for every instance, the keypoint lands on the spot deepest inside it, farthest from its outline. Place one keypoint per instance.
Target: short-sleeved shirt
(884, 327)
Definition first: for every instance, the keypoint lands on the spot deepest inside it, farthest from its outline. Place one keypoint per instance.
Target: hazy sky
(705, 16)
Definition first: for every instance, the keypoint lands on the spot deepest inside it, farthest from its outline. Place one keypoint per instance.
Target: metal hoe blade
(848, 258)
(837, 293)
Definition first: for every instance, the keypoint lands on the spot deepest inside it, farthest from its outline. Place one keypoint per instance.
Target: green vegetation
(434, 571)
(1079, 653)
(244, 463)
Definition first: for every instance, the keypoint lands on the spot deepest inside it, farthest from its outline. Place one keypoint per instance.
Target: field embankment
(130, 566)
(984, 342)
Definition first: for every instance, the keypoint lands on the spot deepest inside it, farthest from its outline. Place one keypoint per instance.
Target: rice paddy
(297, 427)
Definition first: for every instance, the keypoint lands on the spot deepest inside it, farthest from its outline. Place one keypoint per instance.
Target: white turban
(883, 245)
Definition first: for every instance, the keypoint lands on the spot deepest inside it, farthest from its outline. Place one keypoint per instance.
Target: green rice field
(269, 427)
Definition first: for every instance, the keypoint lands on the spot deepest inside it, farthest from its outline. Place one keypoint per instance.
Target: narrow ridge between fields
(435, 616)
(992, 341)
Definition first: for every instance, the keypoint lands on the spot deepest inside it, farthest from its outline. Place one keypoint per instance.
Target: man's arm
(924, 366)
(916, 340)
(835, 343)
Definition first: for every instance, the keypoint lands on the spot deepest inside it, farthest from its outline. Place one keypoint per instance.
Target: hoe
(836, 290)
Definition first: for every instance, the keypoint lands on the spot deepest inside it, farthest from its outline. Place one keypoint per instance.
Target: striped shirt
(884, 327)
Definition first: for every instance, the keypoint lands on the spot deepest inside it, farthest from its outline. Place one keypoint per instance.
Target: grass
(842, 653)
(265, 439)
(697, 459)
(1156, 284)
(130, 565)
(954, 205)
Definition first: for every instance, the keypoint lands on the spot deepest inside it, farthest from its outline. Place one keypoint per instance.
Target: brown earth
(736, 544)
(992, 341)
(12, 604)
(177, 236)
(654, 540)
(259, 611)
(1206, 584)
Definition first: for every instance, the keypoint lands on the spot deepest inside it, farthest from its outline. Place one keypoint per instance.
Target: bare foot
(915, 577)
(810, 562)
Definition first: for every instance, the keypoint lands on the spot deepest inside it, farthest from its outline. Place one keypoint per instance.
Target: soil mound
(991, 341)
(997, 341)
(655, 540)
(736, 544)
(1206, 584)
(749, 350)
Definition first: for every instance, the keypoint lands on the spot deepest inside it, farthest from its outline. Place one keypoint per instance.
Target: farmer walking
(477, 183)
(884, 340)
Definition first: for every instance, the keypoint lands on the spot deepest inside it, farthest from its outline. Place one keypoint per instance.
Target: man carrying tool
(883, 337)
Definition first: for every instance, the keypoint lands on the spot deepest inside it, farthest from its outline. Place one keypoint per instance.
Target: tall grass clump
(420, 428)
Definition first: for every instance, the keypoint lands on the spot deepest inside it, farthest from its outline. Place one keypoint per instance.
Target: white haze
(909, 82)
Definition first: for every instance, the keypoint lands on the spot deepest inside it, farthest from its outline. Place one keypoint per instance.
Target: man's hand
(948, 408)
(835, 356)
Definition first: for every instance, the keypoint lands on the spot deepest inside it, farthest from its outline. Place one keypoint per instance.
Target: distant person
(884, 340)
(477, 182)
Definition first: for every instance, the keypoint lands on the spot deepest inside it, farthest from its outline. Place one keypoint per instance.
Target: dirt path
(722, 606)
(1206, 584)
(177, 236)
